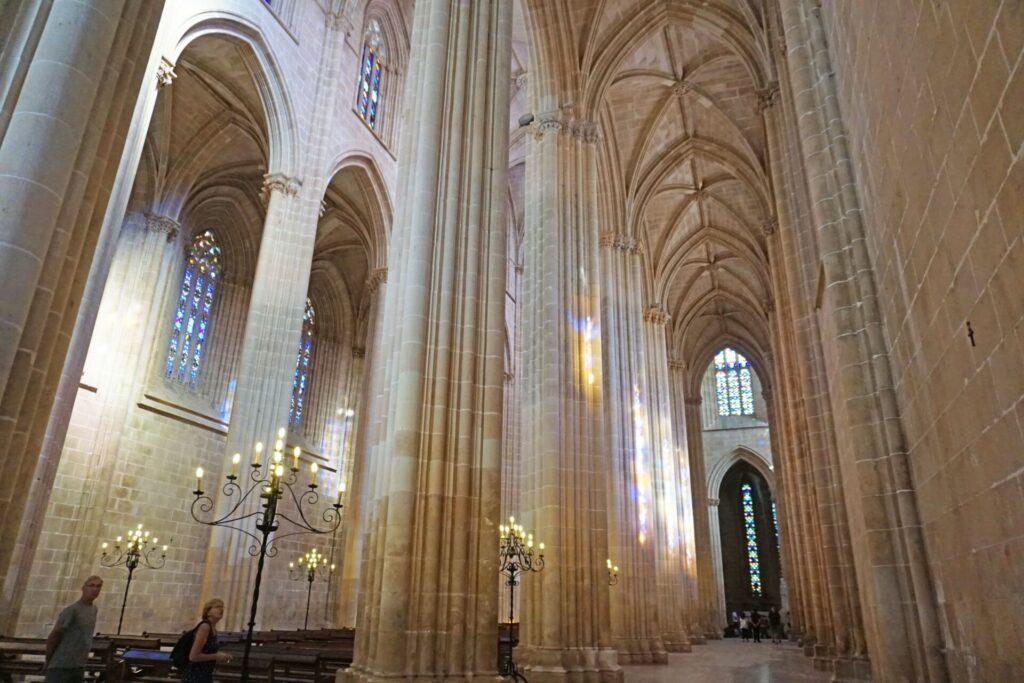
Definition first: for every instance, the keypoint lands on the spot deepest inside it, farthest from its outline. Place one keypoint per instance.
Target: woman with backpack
(203, 655)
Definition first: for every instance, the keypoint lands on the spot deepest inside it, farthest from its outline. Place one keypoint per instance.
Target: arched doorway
(751, 570)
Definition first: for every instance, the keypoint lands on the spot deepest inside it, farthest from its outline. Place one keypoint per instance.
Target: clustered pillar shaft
(635, 628)
(429, 585)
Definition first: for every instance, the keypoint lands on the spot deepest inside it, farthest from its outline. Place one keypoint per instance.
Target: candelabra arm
(311, 498)
(205, 504)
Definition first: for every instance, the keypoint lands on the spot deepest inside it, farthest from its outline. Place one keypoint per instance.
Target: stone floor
(731, 661)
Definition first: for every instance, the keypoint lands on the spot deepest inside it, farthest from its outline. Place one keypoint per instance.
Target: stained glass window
(753, 559)
(191, 325)
(370, 74)
(733, 384)
(775, 522)
(303, 365)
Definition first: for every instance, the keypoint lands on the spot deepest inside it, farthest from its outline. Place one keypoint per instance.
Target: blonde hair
(210, 604)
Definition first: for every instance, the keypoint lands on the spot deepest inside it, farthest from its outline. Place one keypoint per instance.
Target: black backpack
(182, 648)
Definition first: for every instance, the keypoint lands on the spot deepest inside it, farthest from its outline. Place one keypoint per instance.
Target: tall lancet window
(370, 74)
(733, 384)
(195, 304)
(753, 559)
(303, 365)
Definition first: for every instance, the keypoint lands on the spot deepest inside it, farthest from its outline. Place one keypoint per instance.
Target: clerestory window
(191, 328)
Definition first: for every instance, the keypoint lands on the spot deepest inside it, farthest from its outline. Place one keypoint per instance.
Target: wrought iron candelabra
(309, 564)
(516, 553)
(138, 550)
(613, 573)
(270, 481)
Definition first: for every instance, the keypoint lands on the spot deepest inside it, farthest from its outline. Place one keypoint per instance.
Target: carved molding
(378, 277)
(279, 182)
(621, 242)
(555, 122)
(768, 97)
(165, 73)
(162, 224)
(657, 315)
(676, 365)
(769, 227)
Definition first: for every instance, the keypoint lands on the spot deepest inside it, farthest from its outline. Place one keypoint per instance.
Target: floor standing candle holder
(131, 551)
(516, 554)
(269, 481)
(311, 565)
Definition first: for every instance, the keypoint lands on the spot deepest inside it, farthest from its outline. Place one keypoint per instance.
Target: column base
(698, 639)
(851, 669)
(823, 658)
(352, 676)
(713, 635)
(576, 664)
(640, 651)
(676, 642)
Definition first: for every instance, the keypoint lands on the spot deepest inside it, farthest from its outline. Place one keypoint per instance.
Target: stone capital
(358, 352)
(768, 97)
(162, 224)
(377, 278)
(657, 315)
(676, 365)
(323, 208)
(279, 182)
(165, 73)
(769, 227)
(510, 378)
(335, 21)
(555, 122)
(696, 401)
(620, 242)
(712, 502)
(518, 268)
(766, 394)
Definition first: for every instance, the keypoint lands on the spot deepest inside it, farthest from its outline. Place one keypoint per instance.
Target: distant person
(755, 625)
(204, 654)
(744, 627)
(70, 641)
(775, 625)
(734, 623)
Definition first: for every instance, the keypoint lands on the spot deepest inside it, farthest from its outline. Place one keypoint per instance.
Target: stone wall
(933, 99)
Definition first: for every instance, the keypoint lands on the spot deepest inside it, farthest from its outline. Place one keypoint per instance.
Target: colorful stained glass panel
(750, 528)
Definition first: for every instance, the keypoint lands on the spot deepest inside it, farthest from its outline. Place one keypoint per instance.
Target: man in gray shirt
(69, 643)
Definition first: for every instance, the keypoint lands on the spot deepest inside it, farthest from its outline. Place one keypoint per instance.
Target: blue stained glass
(753, 559)
(733, 384)
(192, 315)
(303, 365)
(370, 81)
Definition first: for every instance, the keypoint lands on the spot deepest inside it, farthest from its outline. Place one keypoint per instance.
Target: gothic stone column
(672, 503)
(710, 618)
(635, 628)
(266, 370)
(564, 460)
(71, 104)
(428, 593)
(899, 599)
